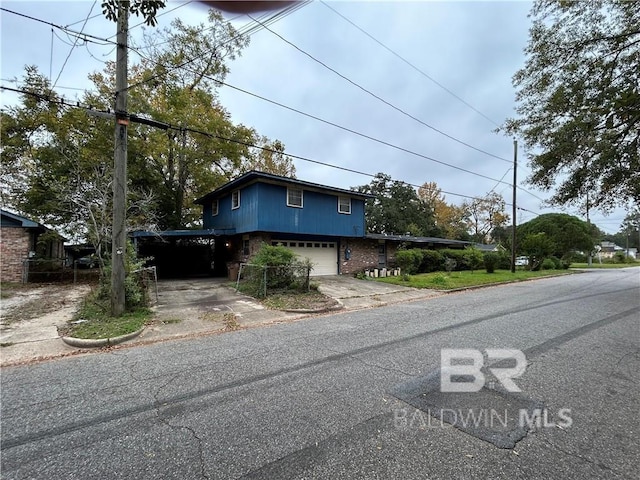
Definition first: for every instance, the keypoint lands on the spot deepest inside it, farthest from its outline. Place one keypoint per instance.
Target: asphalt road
(320, 398)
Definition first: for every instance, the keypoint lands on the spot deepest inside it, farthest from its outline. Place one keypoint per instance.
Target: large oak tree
(579, 101)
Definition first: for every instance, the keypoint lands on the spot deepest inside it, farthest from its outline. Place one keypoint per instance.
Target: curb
(495, 284)
(100, 342)
(340, 306)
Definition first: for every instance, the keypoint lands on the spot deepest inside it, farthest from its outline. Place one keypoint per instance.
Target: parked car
(90, 261)
(522, 261)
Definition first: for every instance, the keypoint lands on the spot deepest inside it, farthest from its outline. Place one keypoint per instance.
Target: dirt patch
(35, 301)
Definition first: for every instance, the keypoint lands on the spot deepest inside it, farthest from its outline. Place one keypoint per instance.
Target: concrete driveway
(188, 308)
(355, 294)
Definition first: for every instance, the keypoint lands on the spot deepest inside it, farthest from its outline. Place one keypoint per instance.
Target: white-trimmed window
(344, 205)
(235, 200)
(214, 208)
(294, 197)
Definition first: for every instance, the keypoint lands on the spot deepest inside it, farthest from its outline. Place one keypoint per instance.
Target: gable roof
(255, 176)
(18, 221)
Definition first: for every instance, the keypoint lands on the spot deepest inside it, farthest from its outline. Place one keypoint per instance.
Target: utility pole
(119, 229)
(589, 259)
(514, 209)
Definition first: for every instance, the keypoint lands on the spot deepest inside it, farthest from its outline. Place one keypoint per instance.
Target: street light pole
(119, 230)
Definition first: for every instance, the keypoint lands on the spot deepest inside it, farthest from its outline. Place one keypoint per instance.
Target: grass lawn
(445, 281)
(605, 265)
(93, 321)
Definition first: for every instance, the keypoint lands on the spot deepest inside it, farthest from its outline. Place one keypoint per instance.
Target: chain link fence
(260, 281)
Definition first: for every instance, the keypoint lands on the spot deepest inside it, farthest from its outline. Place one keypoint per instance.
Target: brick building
(22, 239)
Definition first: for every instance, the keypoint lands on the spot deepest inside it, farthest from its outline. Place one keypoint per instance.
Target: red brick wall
(364, 255)
(15, 244)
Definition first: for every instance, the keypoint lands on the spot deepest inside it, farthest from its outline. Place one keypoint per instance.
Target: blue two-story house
(315, 221)
(322, 223)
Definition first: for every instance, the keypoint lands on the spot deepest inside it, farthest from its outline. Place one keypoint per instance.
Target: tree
(53, 155)
(486, 215)
(396, 208)
(579, 101)
(537, 246)
(451, 220)
(566, 232)
(147, 8)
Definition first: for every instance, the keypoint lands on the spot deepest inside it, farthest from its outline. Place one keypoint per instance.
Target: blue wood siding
(243, 219)
(263, 207)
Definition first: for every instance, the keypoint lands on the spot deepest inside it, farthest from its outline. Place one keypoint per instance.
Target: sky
(444, 71)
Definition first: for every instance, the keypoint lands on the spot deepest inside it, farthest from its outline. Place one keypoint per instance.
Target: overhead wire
(379, 98)
(420, 71)
(262, 25)
(165, 125)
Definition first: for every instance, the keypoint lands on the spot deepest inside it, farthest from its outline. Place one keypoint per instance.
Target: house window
(214, 208)
(235, 200)
(344, 205)
(245, 247)
(294, 197)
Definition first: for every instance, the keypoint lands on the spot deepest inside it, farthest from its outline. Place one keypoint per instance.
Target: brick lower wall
(15, 244)
(255, 241)
(364, 255)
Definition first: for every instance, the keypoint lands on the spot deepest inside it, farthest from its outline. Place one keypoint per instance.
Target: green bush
(136, 290)
(548, 264)
(491, 259)
(455, 255)
(504, 260)
(472, 259)
(409, 260)
(556, 262)
(432, 261)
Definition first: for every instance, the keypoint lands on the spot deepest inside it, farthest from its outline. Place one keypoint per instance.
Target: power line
(409, 63)
(243, 31)
(279, 104)
(84, 36)
(74, 45)
(369, 92)
(168, 126)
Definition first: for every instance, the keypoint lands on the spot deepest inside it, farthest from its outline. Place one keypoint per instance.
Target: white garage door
(323, 255)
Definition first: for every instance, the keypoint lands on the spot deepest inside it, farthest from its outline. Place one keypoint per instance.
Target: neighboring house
(22, 239)
(489, 248)
(609, 249)
(323, 223)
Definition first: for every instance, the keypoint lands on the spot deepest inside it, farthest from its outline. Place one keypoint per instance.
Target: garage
(323, 254)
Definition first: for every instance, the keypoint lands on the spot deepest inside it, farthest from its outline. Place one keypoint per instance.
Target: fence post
(264, 279)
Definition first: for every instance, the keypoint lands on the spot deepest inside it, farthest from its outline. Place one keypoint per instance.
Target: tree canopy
(563, 234)
(58, 160)
(452, 220)
(579, 101)
(396, 208)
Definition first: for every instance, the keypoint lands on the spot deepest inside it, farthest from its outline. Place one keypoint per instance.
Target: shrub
(556, 262)
(548, 264)
(409, 260)
(432, 261)
(455, 255)
(472, 259)
(491, 259)
(504, 260)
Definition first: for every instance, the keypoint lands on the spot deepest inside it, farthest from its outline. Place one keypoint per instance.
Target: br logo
(468, 362)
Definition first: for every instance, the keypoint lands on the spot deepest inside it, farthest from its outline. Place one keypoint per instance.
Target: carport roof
(412, 239)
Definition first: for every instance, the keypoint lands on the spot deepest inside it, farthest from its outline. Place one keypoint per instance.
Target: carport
(185, 253)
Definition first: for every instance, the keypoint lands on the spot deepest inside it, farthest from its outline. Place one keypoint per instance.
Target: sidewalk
(189, 308)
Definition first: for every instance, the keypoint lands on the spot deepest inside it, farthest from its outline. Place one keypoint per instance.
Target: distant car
(90, 261)
(522, 261)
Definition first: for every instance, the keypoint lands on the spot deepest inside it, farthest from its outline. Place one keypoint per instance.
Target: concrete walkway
(188, 308)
